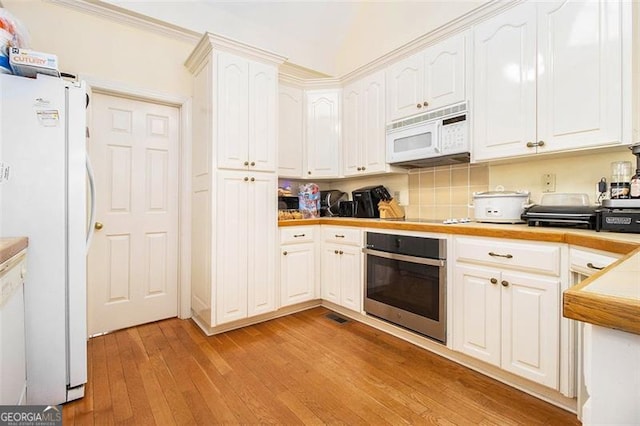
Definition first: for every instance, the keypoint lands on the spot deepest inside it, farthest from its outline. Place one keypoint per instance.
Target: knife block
(390, 210)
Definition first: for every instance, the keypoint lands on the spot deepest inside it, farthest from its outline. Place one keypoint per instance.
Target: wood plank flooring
(299, 369)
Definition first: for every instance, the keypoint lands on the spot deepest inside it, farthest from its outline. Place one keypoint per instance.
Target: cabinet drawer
(533, 257)
(590, 262)
(297, 234)
(351, 236)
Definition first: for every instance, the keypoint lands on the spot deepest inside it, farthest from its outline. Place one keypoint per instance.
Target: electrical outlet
(548, 182)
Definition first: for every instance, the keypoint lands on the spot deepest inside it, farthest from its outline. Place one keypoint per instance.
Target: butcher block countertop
(9, 247)
(609, 298)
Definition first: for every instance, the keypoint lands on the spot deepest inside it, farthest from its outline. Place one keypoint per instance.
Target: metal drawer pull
(507, 256)
(339, 236)
(335, 251)
(504, 283)
(284, 252)
(298, 235)
(341, 252)
(592, 266)
(493, 281)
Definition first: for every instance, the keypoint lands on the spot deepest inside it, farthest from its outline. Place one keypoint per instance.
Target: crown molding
(210, 42)
(121, 15)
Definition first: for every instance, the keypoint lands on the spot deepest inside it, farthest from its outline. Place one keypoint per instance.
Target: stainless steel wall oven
(406, 282)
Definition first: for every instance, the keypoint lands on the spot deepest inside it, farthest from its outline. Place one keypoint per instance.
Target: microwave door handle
(437, 148)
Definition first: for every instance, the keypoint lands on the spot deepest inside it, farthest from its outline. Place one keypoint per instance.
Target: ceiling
(331, 37)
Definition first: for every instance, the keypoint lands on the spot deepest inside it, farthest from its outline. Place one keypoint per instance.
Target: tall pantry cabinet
(234, 181)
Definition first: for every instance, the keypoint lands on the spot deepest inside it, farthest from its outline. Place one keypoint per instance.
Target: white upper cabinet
(291, 131)
(431, 79)
(323, 133)
(363, 126)
(246, 115)
(549, 77)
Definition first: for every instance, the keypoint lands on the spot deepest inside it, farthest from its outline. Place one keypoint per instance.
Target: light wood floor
(303, 368)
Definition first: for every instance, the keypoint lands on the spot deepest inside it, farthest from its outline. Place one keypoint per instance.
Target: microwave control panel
(453, 135)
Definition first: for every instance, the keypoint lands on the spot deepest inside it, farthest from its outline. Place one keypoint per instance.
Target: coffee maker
(365, 201)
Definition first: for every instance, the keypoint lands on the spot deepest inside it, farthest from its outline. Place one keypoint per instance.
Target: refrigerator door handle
(92, 193)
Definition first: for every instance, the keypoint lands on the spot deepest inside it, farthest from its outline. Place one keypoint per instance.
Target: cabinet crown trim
(210, 42)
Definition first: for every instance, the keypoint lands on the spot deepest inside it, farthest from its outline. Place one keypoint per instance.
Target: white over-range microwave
(436, 138)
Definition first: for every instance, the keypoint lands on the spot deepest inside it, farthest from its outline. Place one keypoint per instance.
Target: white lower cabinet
(299, 268)
(506, 317)
(341, 260)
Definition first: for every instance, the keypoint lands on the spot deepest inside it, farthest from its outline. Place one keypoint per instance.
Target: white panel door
(373, 104)
(323, 133)
(232, 192)
(263, 90)
(476, 313)
(351, 283)
(444, 72)
(504, 103)
(579, 74)
(530, 330)
(132, 263)
(351, 125)
(232, 90)
(290, 132)
(330, 274)
(405, 82)
(297, 273)
(262, 227)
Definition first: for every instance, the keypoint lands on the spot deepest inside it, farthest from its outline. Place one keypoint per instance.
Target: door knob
(98, 226)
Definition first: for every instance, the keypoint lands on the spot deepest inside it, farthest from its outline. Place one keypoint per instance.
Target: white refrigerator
(42, 142)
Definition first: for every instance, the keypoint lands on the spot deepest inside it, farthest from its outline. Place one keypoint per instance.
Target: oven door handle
(405, 258)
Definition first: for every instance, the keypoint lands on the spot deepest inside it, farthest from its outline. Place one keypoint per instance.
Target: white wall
(104, 49)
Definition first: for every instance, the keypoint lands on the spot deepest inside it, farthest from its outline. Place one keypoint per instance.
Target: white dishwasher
(13, 373)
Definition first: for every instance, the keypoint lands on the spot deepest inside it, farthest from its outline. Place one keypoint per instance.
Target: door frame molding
(183, 103)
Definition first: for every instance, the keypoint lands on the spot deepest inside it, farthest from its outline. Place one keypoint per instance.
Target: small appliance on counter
(330, 201)
(366, 200)
(500, 206)
(562, 209)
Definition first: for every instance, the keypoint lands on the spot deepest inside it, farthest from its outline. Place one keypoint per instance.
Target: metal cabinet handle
(253, 163)
(339, 236)
(253, 179)
(507, 256)
(535, 144)
(425, 104)
(246, 163)
(592, 266)
(298, 235)
(504, 283)
(364, 168)
(493, 281)
(335, 251)
(246, 179)
(98, 225)
(359, 168)
(419, 105)
(284, 253)
(540, 143)
(309, 172)
(341, 252)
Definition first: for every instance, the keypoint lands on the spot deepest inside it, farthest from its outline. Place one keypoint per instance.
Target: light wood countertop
(609, 298)
(9, 247)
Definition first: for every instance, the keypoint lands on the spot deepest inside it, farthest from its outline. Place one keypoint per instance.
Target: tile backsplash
(446, 191)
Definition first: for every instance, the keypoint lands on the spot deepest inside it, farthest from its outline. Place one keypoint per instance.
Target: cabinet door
(530, 327)
(351, 128)
(373, 149)
(505, 84)
(323, 133)
(297, 273)
(405, 83)
(330, 274)
(290, 132)
(263, 88)
(262, 226)
(231, 246)
(351, 282)
(476, 313)
(444, 72)
(579, 74)
(232, 88)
